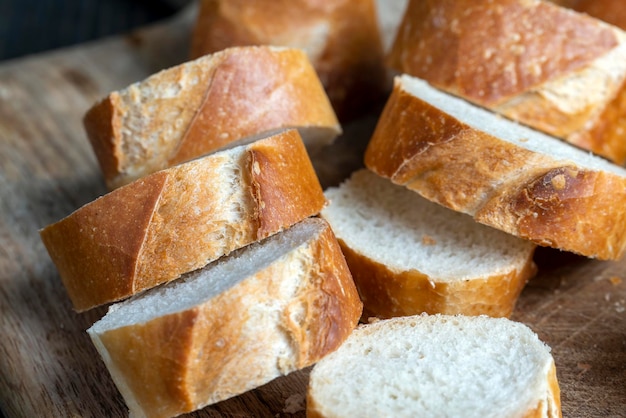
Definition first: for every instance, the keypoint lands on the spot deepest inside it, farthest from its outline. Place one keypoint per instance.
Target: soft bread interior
(505, 129)
(398, 228)
(425, 366)
(201, 285)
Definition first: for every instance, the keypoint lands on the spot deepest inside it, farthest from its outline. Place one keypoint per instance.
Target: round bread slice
(179, 219)
(505, 175)
(217, 100)
(408, 255)
(266, 310)
(546, 66)
(437, 366)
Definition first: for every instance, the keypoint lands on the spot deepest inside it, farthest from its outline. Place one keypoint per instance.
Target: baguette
(408, 255)
(197, 107)
(340, 37)
(505, 175)
(437, 366)
(554, 69)
(179, 219)
(269, 309)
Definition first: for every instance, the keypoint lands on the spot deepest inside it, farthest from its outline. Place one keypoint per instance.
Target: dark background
(32, 26)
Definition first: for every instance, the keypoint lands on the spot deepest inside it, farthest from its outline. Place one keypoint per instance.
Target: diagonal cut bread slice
(179, 219)
(202, 105)
(554, 69)
(437, 366)
(408, 255)
(503, 174)
(266, 310)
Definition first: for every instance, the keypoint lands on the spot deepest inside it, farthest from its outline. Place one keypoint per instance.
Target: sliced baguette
(197, 107)
(340, 37)
(408, 255)
(546, 66)
(437, 366)
(503, 174)
(179, 219)
(269, 309)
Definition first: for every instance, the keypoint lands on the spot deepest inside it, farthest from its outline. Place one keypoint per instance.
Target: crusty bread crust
(197, 107)
(556, 70)
(610, 11)
(179, 219)
(386, 293)
(503, 185)
(184, 361)
(341, 38)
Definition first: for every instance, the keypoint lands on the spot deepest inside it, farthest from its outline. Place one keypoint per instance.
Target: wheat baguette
(179, 219)
(202, 105)
(546, 66)
(503, 174)
(340, 37)
(408, 255)
(276, 306)
(437, 366)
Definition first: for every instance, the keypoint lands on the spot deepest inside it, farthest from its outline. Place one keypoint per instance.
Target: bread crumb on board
(295, 403)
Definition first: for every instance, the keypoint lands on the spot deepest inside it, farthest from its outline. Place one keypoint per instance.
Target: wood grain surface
(48, 366)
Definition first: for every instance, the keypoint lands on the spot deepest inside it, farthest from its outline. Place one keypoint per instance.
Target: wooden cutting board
(48, 366)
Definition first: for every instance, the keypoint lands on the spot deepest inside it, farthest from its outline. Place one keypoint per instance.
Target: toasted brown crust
(341, 38)
(203, 105)
(610, 11)
(386, 293)
(511, 188)
(181, 362)
(532, 61)
(176, 220)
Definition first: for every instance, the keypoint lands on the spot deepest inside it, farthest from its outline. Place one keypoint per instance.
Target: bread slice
(437, 366)
(546, 66)
(340, 37)
(503, 174)
(408, 255)
(179, 219)
(197, 107)
(269, 309)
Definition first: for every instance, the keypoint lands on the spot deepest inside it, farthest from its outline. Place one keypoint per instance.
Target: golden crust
(218, 100)
(551, 406)
(610, 11)
(386, 293)
(501, 184)
(184, 361)
(341, 37)
(176, 220)
(528, 60)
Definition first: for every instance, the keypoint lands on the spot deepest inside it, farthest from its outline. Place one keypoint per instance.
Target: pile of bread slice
(238, 268)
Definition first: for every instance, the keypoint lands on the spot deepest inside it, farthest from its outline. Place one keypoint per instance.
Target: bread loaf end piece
(503, 174)
(274, 307)
(215, 101)
(408, 255)
(438, 365)
(179, 219)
